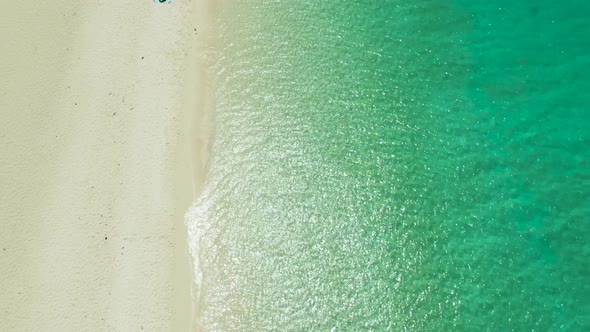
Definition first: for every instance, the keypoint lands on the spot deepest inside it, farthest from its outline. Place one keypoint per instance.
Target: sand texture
(95, 171)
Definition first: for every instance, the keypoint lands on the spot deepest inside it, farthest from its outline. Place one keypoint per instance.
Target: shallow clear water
(397, 165)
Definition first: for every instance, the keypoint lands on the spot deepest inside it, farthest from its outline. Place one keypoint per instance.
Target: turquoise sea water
(397, 166)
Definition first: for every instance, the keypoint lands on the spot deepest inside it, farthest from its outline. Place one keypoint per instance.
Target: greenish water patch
(397, 165)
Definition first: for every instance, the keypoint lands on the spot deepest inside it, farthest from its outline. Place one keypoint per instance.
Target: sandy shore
(95, 110)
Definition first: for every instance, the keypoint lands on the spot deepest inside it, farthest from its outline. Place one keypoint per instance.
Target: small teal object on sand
(163, 1)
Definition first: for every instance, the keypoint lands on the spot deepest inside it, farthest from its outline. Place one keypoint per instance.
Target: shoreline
(200, 98)
(97, 173)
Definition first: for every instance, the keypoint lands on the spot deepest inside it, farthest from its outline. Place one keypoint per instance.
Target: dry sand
(95, 175)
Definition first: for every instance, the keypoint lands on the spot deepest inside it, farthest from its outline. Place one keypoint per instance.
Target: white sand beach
(96, 114)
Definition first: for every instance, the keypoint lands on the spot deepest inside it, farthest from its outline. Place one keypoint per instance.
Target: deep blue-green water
(397, 166)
